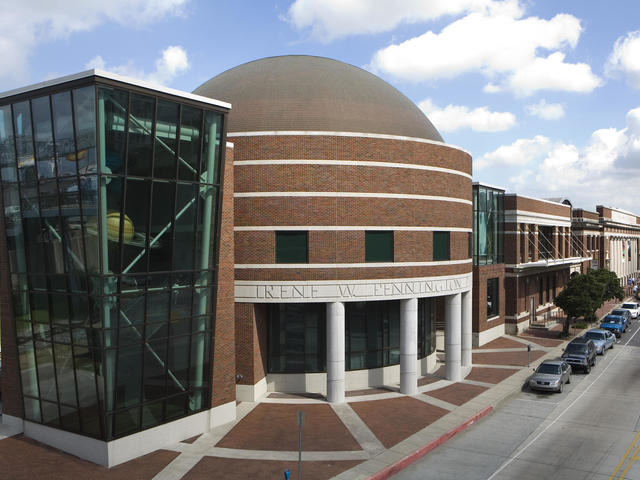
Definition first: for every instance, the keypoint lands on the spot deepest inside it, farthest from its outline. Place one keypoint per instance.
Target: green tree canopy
(610, 283)
(580, 297)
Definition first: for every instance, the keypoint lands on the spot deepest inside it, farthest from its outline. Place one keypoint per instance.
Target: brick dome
(307, 93)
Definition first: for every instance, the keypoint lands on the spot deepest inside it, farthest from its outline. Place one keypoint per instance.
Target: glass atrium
(111, 197)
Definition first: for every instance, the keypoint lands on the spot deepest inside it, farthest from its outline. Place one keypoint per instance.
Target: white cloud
(552, 73)
(544, 110)
(625, 58)
(520, 152)
(172, 63)
(599, 172)
(454, 117)
(25, 24)
(500, 44)
(331, 19)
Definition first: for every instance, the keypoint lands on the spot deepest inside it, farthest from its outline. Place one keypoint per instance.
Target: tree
(580, 297)
(610, 283)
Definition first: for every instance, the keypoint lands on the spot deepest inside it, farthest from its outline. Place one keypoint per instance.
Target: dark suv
(580, 353)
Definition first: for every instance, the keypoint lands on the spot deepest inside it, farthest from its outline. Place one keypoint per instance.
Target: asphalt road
(590, 431)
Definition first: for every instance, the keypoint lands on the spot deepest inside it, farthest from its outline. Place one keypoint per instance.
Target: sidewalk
(373, 434)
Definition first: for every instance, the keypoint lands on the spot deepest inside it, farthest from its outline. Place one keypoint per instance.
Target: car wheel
(587, 369)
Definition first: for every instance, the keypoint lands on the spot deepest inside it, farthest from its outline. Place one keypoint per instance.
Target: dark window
(426, 326)
(372, 334)
(441, 246)
(540, 291)
(378, 246)
(291, 247)
(297, 338)
(493, 299)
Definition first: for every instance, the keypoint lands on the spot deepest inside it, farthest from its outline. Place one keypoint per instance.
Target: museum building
(352, 231)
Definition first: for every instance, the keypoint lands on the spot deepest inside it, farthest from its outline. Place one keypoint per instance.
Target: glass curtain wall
(426, 326)
(488, 225)
(110, 206)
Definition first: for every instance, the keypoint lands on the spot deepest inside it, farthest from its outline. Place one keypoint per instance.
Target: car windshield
(629, 305)
(611, 320)
(618, 312)
(548, 368)
(594, 335)
(576, 348)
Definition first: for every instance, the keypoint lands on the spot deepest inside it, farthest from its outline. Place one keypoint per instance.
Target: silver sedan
(551, 375)
(602, 339)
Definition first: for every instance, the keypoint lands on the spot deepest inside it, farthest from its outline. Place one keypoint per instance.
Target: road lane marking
(625, 456)
(633, 459)
(511, 459)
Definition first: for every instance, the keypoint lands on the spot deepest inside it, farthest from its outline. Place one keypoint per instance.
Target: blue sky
(544, 94)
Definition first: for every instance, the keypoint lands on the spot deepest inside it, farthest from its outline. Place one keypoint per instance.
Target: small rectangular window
(492, 297)
(378, 246)
(291, 247)
(441, 246)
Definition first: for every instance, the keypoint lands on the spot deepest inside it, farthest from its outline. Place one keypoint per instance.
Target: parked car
(580, 353)
(613, 323)
(602, 339)
(633, 307)
(550, 375)
(626, 316)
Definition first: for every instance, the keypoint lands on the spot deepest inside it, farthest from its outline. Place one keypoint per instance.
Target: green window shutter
(291, 247)
(378, 246)
(441, 246)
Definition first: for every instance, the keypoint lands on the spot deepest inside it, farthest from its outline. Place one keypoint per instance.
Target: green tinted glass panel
(441, 246)
(291, 247)
(378, 246)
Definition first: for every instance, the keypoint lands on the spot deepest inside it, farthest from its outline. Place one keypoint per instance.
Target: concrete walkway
(374, 433)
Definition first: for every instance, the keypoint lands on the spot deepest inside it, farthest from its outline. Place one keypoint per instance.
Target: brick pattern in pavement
(24, 459)
(395, 419)
(501, 342)
(506, 358)
(275, 427)
(545, 342)
(490, 375)
(457, 393)
(210, 468)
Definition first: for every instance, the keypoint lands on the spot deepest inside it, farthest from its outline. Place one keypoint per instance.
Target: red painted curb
(422, 451)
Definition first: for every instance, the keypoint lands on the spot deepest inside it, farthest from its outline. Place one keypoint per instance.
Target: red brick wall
(480, 276)
(251, 342)
(516, 202)
(348, 246)
(223, 386)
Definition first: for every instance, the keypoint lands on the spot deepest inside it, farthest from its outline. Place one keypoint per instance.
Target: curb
(403, 463)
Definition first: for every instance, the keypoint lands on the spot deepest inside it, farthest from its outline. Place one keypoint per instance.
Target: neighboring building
(116, 296)
(586, 237)
(620, 231)
(352, 223)
(488, 263)
(539, 258)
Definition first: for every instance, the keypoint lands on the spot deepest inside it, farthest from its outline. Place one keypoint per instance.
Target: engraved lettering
(346, 290)
(298, 292)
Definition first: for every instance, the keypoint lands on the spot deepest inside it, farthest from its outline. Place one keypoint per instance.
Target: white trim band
(394, 228)
(242, 266)
(355, 163)
(351, 195)
(345, 134)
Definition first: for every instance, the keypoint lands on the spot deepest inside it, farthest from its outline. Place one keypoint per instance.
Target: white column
(452, 337)
(467, 335)
(409, 346)
(335, 352)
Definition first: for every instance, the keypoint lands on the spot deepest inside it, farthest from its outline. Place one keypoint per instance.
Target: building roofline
(119, 78)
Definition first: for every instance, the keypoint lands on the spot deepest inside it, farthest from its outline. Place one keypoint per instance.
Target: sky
(544, 94)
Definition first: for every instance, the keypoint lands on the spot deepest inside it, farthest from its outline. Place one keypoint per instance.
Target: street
(590, 431)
